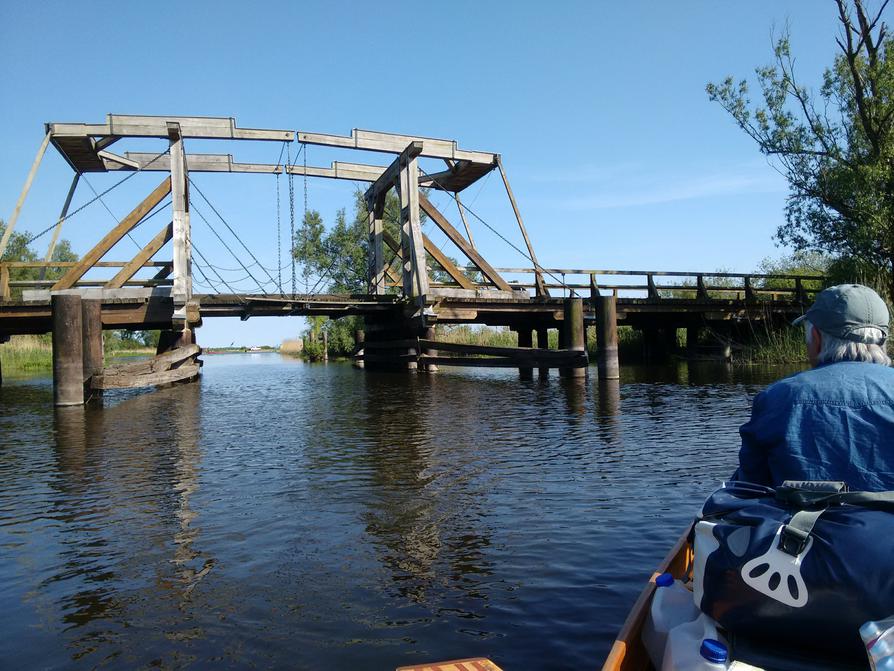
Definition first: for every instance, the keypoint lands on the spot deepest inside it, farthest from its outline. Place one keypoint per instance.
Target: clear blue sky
(616, 156)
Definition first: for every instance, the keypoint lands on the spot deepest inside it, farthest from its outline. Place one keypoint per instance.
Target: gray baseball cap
(842, 309)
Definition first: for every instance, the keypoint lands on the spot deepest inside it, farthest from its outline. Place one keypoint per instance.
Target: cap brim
(799, 320)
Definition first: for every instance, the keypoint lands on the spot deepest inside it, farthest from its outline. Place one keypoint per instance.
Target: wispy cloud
(631, 186)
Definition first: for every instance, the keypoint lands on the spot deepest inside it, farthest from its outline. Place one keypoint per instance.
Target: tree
(18, 249)
(835, 149)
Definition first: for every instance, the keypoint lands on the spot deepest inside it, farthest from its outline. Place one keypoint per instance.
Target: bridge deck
(32, 317)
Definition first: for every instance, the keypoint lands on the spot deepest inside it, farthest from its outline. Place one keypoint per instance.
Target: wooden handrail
(661, 273)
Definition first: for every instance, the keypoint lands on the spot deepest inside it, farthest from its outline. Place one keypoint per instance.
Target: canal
(281, 514)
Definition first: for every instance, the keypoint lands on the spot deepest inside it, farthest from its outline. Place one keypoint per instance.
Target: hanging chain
(291, 217)
(278, 239)
(305, 213)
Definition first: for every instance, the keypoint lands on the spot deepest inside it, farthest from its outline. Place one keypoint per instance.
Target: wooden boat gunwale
(627, 652)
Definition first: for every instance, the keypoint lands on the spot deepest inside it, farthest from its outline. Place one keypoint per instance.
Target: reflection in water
(283, 514)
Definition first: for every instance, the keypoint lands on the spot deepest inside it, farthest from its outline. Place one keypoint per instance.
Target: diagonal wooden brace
(146, 253)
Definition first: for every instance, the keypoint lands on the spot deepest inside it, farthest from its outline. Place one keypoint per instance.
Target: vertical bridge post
(182, 291)
(607, 338)
(575, 334)
(68, 358)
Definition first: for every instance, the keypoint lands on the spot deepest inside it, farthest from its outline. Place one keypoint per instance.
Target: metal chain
(292, 218)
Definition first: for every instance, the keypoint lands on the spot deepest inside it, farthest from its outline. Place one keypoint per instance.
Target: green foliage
(837, 149)
(116, 341)
(17, 249)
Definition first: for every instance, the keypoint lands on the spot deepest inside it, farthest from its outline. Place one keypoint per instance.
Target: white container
(687, 649)
(672, 605)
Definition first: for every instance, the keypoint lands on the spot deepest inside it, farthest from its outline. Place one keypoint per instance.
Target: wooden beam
(164, 271)
(415, 275)
(368, 140)
(375, 231)
(128, 125)
(457, 239)
(391, 174)
(182, 253)
(11, 224)
(462, 215)
(112, 237)
(449, 267)
(142, 256)
(538, 276)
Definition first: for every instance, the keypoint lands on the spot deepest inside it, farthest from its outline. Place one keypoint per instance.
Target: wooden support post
(701, 290)
(325, 346)
(462, 215)
(525, 339)
(575, 334)
(543, 343)
(91, 329)
(607, 338)
(541, 289)
(58, 228)
(415, 275)
(4, 283)
(359, 347)
(11, 224)
(430, 335)
(68, 354)
(749, 290)
(376, 207)
(182, 291)
(653, 291)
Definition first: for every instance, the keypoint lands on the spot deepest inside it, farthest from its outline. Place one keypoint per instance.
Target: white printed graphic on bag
(777, 574)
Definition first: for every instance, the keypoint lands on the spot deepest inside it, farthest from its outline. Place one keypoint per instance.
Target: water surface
(281, 514)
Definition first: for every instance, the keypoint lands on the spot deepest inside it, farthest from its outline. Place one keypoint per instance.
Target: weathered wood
(68, 352)
(457, 239)
(538, 276)
(158, 363)
(391, 174)
(184, 372)
(462, 216)
(4, 282)
(112, 237)
(376, 208)
(444, 261)
(146, 253)
(11, 224)
(607, 338)
(91, 329)
(58, 228)
(132, 125)
(395, 144)
(488, 350)
(575, 333)
(415, 275)
(182, 256)
(526, 340)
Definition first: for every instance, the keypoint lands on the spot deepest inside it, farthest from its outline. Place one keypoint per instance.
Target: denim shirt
(834, 422)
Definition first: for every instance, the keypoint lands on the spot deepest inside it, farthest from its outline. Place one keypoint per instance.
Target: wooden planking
(457, 239)
(486, 350)
(113, 236)
(468, 664)
(146, 253)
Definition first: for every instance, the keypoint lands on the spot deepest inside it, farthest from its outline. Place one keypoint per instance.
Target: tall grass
(774, 346)
(26, 353)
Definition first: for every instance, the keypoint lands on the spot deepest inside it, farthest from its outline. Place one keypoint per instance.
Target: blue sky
(616, 156)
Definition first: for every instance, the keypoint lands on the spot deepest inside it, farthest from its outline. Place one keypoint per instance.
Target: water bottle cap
(713, 651)
(664, 580)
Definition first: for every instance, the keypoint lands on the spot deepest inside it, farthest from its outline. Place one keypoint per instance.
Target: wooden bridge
(403, 301)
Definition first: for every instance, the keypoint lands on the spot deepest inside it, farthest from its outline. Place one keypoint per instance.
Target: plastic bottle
(871, 631)
(671, 606)
(881, 650)
(695, 646)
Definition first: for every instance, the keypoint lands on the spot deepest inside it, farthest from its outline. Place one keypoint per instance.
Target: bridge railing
(657, 285)
(10, 280)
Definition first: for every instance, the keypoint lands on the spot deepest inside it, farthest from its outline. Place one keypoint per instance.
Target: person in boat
(836, 420)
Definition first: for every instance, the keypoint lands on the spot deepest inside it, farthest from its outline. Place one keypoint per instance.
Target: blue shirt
(834, 422)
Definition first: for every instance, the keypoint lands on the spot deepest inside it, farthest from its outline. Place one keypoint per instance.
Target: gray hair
(869, 348)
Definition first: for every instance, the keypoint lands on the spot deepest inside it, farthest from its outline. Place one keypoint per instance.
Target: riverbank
(34, 353)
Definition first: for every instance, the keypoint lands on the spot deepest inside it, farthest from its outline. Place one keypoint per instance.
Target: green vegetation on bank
(34, 353)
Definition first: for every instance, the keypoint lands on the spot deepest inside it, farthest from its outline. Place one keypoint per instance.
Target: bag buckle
(793, 541)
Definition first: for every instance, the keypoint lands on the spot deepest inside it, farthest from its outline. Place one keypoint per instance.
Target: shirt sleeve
(754, 454)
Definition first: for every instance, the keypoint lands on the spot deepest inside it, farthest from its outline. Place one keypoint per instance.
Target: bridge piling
(543, 343)
(607, 338)
(68, 350)
(575, 335)
(91, 329)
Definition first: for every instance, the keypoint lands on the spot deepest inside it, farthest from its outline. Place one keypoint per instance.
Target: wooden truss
(86, 148)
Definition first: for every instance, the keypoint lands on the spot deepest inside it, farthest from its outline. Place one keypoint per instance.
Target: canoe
(628, 652)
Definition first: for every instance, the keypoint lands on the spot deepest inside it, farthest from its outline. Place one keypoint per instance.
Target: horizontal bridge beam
(392, 143)
(207, 128)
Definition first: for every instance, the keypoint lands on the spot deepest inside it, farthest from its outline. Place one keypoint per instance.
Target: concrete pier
(68, 350)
